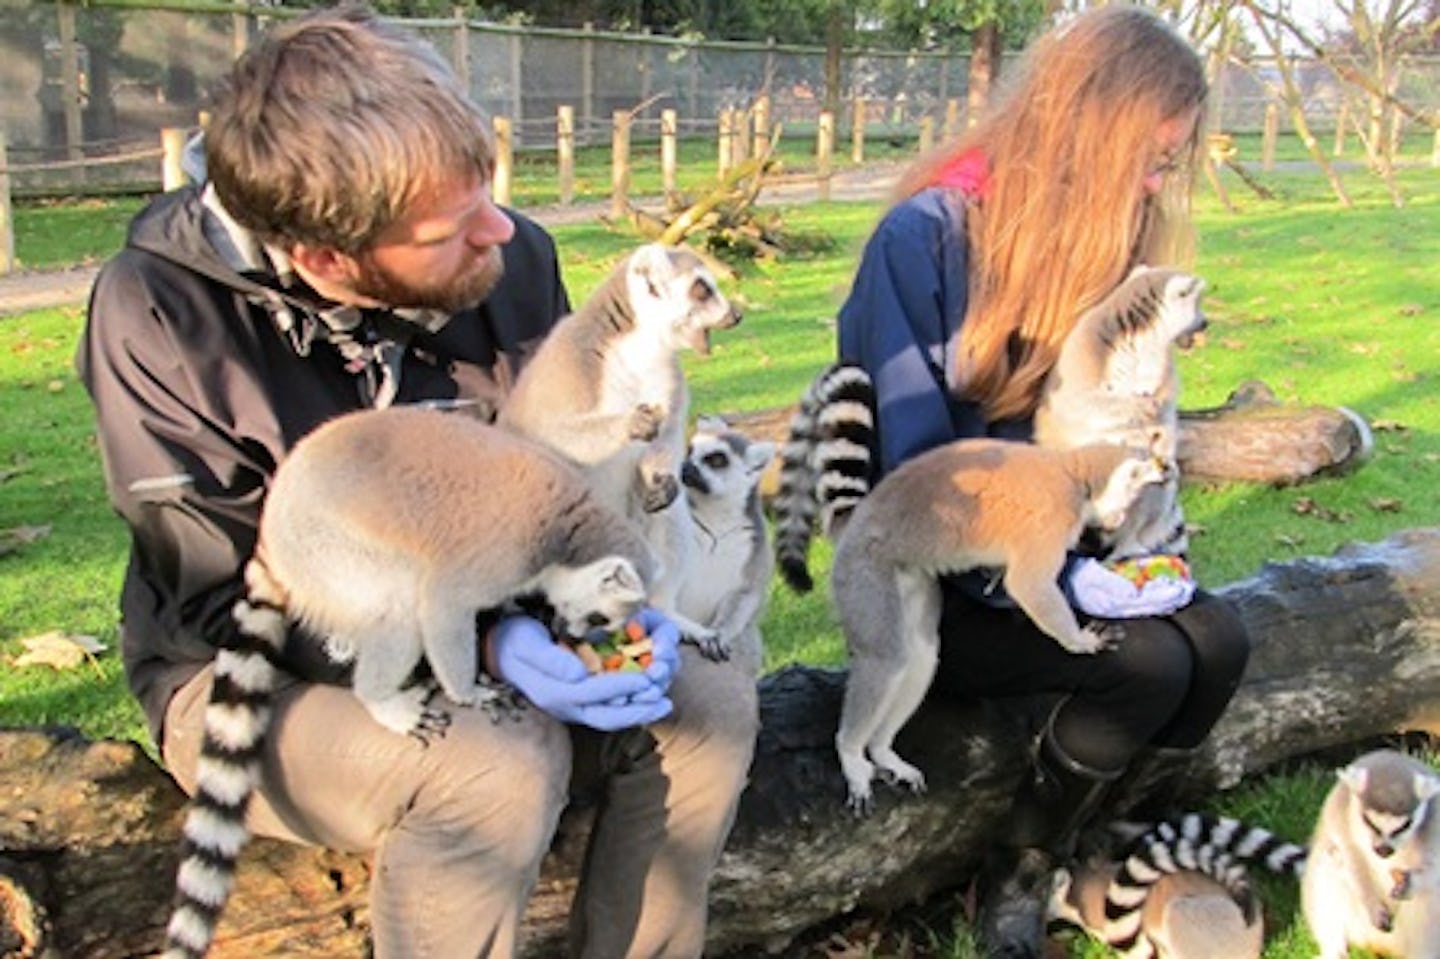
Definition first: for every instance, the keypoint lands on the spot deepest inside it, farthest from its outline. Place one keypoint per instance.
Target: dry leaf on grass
(59, 650)
(17, 536)
(1308, 506)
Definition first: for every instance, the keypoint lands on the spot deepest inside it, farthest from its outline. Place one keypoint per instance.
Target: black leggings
(1165, 684)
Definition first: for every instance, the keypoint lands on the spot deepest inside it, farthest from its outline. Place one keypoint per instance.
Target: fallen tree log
(1347, 649)
(1251, 437)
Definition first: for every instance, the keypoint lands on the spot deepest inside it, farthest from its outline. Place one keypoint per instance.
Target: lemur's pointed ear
(710, 424)
(759, 455)
(1354, 776)
(652, 263)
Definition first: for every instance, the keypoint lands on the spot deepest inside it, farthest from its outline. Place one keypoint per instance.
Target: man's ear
(324, 264)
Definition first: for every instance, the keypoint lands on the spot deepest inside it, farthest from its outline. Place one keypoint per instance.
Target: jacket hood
(172, 227)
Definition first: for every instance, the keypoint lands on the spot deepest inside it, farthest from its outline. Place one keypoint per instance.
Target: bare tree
(1288, 90)
(1369, 58)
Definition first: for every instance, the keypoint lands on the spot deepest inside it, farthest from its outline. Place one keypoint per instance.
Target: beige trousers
(458, 828)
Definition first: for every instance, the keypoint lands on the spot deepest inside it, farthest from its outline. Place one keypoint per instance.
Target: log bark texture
(1251, 437)
(1347, 648)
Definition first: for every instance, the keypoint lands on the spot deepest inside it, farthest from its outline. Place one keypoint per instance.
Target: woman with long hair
(997, 243)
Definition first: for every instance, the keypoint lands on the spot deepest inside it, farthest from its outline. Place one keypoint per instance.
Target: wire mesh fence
(86, 90)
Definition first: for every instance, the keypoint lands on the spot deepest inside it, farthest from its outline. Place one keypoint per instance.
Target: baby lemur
(730, 574)
(384, 532)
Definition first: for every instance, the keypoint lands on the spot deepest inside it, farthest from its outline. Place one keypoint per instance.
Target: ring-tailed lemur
(962, 506)
(1115, 381)
(605, 389)
(729, 582)
(1179, 890)
(884, 577)
(1373, 878)
(383, 533)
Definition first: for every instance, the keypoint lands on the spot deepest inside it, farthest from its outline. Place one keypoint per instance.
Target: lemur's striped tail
(236, 721)
(1217, 846)
(825, 465)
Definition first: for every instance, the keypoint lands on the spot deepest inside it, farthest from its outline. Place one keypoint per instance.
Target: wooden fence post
(825, 151)
(669, 130)
(565, 151)
(587, 79)
(761, 141)
(70, 84)
(172, 149)
(927, 133)
(952, 119)
(725, 152)
(461, 56)
(239, 34)
(619, 164)
(504, 180)
(857, 132)
(7, 221)
(1267, 140)
(517, 79)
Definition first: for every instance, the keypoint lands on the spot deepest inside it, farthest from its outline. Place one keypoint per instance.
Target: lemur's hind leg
(870, 610)
(920, 606)
(385, 656)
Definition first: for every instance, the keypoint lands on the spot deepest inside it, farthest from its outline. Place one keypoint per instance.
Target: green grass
(66, 233)
(1327, 306)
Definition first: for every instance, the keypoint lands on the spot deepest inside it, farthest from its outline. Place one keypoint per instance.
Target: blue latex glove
(557, 682)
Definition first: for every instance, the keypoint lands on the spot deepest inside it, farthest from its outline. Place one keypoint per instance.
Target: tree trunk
(985, 52)
(1346, 649)
(1252, 437)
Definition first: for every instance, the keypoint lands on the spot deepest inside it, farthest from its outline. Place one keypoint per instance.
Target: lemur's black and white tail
(1217, 846)
(236, 722)
(825, 465)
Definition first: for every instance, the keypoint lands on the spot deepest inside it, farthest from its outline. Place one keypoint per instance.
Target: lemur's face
(674, 293)
(722, 465)
(1180, 316)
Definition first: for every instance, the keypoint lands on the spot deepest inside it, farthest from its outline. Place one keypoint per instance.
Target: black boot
(1155, 784)
(1053, 805)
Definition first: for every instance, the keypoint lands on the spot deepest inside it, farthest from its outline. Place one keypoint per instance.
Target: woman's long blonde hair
(1063, 217)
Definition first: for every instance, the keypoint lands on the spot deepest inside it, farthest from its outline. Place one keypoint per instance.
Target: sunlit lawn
(1326, 306)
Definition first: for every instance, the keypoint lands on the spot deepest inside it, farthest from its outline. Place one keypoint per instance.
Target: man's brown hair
(333, 124)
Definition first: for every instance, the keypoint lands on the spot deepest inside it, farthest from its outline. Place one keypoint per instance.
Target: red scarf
(968, 172)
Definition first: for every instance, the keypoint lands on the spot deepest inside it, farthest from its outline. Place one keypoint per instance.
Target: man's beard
(471, 289)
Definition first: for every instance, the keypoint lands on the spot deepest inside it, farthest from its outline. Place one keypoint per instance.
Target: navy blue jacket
(901, 323)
